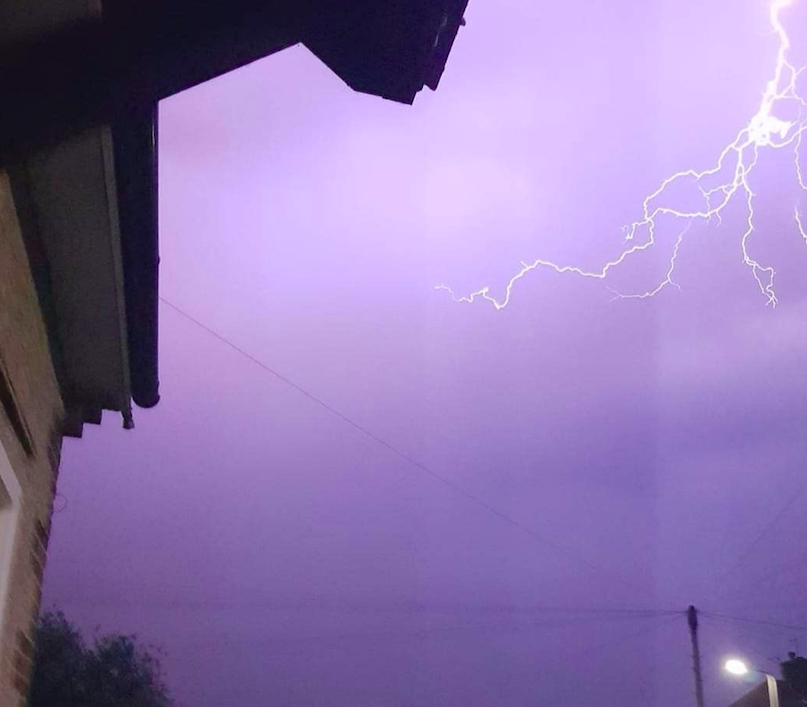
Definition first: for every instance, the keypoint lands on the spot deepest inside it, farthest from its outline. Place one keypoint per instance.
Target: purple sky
(283, 558)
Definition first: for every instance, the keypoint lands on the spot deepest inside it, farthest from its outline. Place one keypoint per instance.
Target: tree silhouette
(116, 671)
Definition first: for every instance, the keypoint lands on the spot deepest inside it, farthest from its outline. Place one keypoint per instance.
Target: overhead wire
(750, 634)
(763, 533)
(611, 644)
(426, 631)
(762, 604)
(449, 483)
(621, 639)
(771, 574)
(127, 594)
(757, 622)
(183, 594)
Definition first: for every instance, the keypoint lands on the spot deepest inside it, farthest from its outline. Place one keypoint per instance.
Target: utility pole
(692, 619)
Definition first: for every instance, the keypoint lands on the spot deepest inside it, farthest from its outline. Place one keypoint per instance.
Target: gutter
(136, 167)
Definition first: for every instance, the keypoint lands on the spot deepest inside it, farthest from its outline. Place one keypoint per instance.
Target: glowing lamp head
(736, 667)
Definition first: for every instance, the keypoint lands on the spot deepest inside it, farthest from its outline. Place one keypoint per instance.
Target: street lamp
(735, 666)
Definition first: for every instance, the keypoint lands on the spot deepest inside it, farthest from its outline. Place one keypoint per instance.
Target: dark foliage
(114, 672)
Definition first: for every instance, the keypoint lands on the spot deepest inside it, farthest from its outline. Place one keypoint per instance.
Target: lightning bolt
(719, 186)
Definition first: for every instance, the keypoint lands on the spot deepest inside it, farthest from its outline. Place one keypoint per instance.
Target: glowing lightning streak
(800, 226)
(741, 155)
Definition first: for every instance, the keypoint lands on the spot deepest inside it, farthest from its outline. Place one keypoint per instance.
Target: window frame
(8, 401)
(9, 523)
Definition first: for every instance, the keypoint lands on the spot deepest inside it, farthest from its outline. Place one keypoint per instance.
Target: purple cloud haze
(282, 557)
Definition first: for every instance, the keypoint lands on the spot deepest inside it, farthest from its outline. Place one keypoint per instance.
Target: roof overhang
(66, 199)
(390, 49)
(80, 140)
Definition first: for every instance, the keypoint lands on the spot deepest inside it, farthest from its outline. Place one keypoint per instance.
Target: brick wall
(28, 368)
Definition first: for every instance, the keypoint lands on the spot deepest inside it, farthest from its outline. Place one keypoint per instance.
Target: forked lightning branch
(719, 186)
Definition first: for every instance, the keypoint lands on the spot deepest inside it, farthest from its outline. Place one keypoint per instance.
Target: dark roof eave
(419, 50)
(392, 49)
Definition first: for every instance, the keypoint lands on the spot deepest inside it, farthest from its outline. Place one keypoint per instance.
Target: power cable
(619, 640)
(762, 604)
(612, 644)
(140, 596)
(425, 632)
(757, 622)
(162, 592)
(766, 530)
(454, 486)
(771, 574)
(748, 631)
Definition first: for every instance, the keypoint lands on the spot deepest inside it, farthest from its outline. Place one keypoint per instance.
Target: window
(9, 508)
(9, 403)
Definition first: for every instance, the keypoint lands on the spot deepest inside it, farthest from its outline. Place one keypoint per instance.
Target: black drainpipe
(135, 140)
